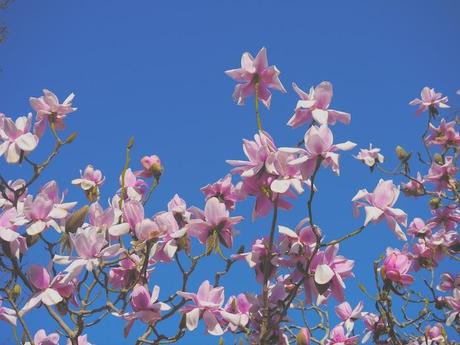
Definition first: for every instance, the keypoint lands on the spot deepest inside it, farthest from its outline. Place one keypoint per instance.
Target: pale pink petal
(191, 319)
(323, 274)
(212, 325)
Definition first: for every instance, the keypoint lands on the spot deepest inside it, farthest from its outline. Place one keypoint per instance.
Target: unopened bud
(435, 203)
(438, 159)
(76, 219)
(71, 138)
(130, 143)
(362, 288)
(303, 337)
(401, 153)
(16, 291)
(65, 244)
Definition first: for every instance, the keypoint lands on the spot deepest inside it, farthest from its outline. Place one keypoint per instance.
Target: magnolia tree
(101, 256)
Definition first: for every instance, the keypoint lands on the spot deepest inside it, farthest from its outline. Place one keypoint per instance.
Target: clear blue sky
(154, 70)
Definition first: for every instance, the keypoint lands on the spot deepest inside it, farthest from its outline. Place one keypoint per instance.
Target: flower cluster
(102, 259)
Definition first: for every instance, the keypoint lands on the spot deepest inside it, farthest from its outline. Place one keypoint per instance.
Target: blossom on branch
(207, 303)
(255, 73)
(314, 106)
(49, 110)
(429, 99)
(16, 140)
(379, 205)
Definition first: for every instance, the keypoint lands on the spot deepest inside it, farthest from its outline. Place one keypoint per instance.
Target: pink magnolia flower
(371, 321)
(134, 219)
(300, 242)
(91, 248)
(449, 282)
(370, 156)
(223, 190)
(45, 210)
(256, 259)
(445, 135)
(8, 232)
(286, 176)
(215, 220)
(442, 240)
(424, 255)
(297, 245)
(260, 187)
(315, 106)
(46, 293)
(41, 338)
(50, 110)
(126, 273)
(448, 217)
(396, 266)
(264, 174)
(330, 271)
(170, 237)
(8, 315)
(453, 303)
(145, 307)
(16, 139)
(257, 152)
(151, 167)
(442, 175)
(255, 72)
(418, 228)
(429, 98)
(236, 312)
(433, 335)
(135, 188)
(379, 204)
(81, 340)
(103, 219)
(90, 178)
(348, 315)
(318, 145)
(181, 213)
(338, 337)
(207, 303)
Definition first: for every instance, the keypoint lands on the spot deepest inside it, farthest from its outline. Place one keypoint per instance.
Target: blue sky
(154, 70)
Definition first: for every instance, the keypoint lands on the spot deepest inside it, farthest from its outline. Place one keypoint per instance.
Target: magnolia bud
(16, 291)
(438, 159)
(401, 153)
(76, 219)
(71, 138)
(130, 143)
(303, 337)
(435, 203)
